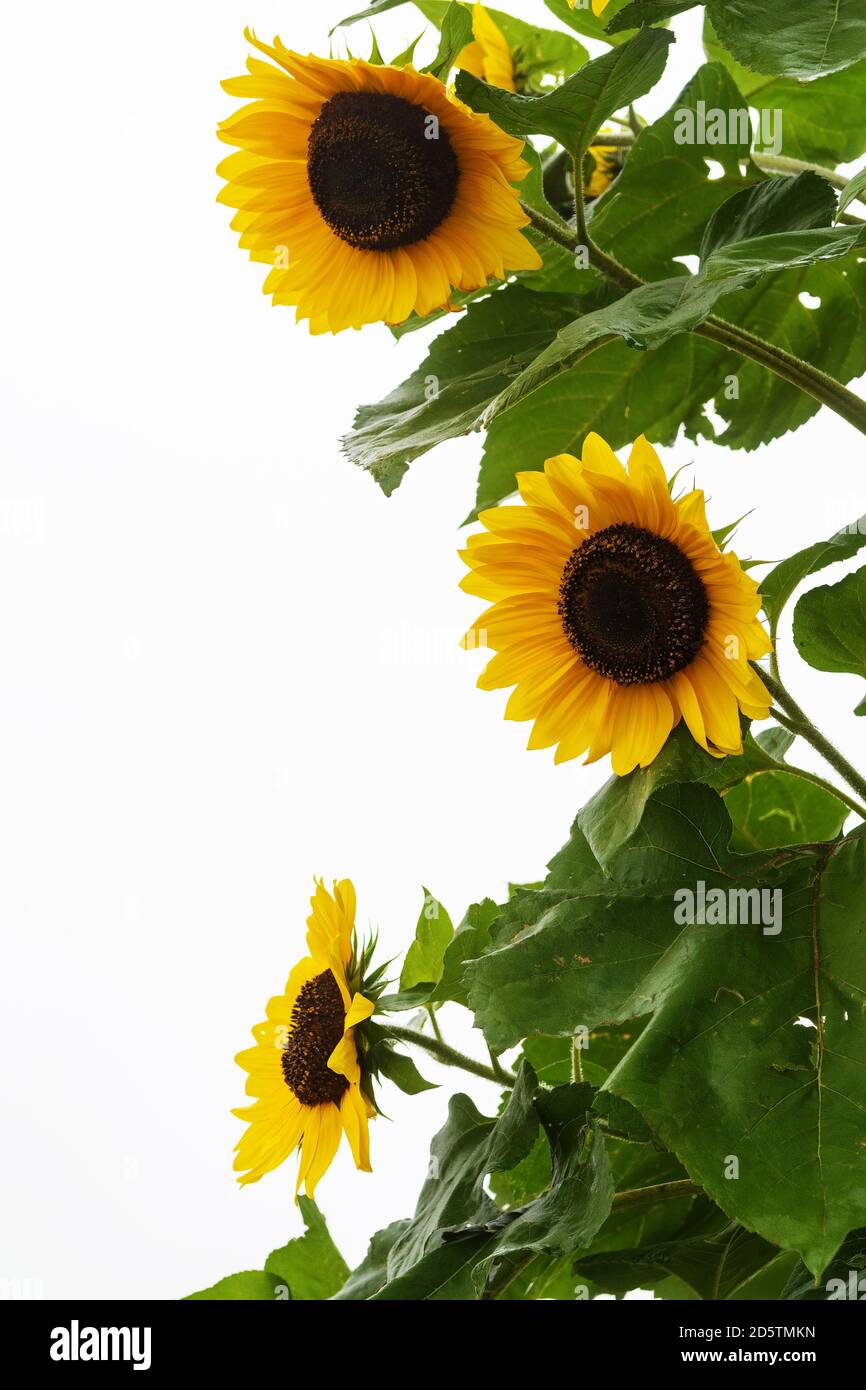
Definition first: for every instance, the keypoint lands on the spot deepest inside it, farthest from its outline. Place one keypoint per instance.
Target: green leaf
(716, 1267)
(853, 189)
(465, 1150)
(639, 12)
(535, 52)
(456, 34)
(793, 38)
(830, 625)
(575, 111)
(251, 1285)
(464, 369)
(310, 1267)
(399, 1068)
(378, 7)
(649, 316)
(772, 809)
(610, 818)
(578, 1200)
(822, 120)
(424, 958)
(372, 1273)
(786, 1101)
(843, 1279)
(664, 196)
(778, 586)
(582, 19)
(778, 205)
(468, 941)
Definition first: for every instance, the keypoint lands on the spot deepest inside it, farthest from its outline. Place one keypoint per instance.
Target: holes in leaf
(809, 301)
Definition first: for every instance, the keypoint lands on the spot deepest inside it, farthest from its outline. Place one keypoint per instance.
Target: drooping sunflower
(370, 190)
(488, 55)
(614, 612)
(305, 1068)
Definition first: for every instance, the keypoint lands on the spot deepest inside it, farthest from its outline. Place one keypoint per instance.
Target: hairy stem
(449, 1056)
(811, 380)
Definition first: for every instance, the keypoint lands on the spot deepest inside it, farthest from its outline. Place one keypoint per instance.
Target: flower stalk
(449, 1056)
(811, 380)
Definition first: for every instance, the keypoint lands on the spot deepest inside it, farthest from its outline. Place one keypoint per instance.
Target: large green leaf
(843, 1279)
(568, 1215)
(465, 1150)
(649, 316)
(786, 1101)
(574, 111)
(793, 38)
(307, 1268)
(771, 809)
(780, 583)
(311, 1266)
(664, 196)
(463, 370)
(830, 626)
(611, 817)
(715, 1266)
(777, 205)
(822, 120)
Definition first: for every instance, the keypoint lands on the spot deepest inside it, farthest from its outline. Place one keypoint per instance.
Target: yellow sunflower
(615, 613)
(304, 1070)
(370, 190)
(488, 56)
(605, 161)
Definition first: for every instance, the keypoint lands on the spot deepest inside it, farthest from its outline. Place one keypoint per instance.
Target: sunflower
(615, 613)
(604, 165)
(370, 190)
(488, 56)
(305, 1070)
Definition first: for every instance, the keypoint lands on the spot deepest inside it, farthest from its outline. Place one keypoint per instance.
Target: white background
(229, 663)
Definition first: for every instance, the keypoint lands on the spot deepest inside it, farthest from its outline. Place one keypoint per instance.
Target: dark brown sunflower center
(318, 1021)
(382, 171)
(632, 605)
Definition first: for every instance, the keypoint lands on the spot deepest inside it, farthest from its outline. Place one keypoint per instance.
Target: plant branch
(789, 713)
(811, 380)
(449, 1056)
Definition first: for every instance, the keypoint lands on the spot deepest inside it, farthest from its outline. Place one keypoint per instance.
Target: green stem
(811, 380)
(576, 1061)
(794, 718)
(449, 1056)
(434, 1022)
(661, 1192)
